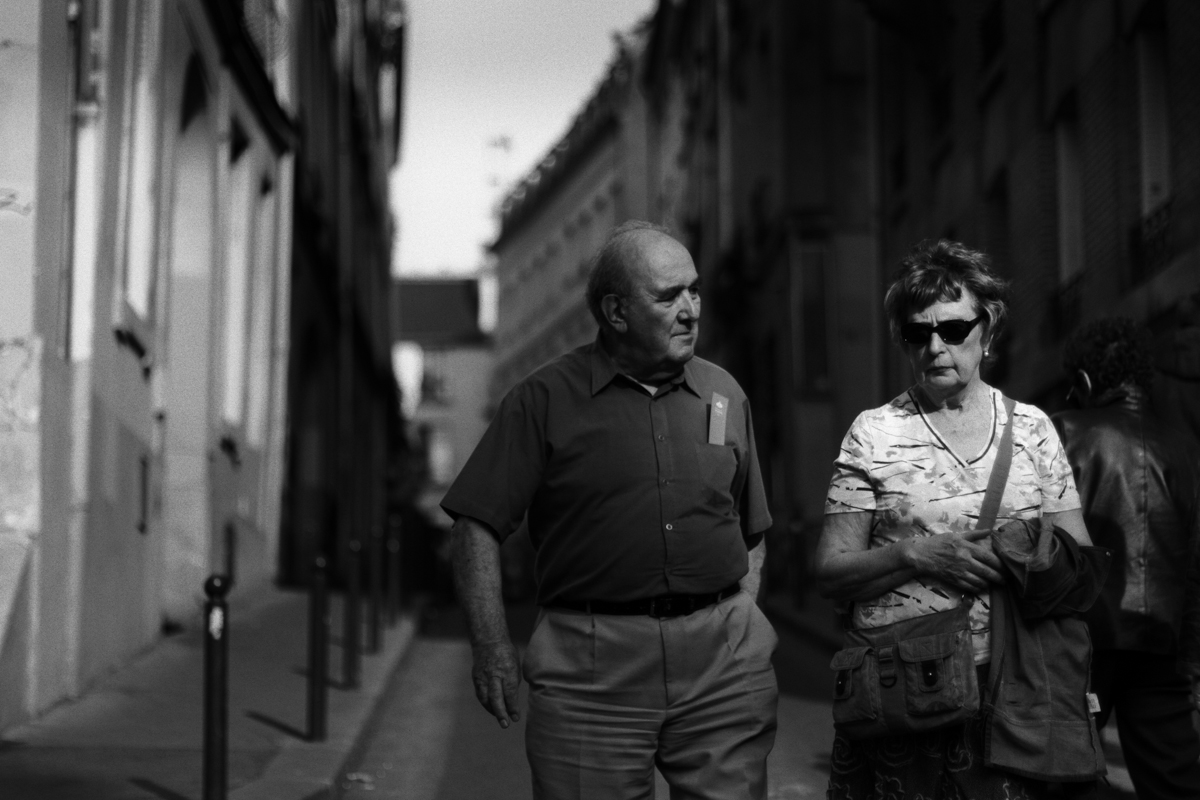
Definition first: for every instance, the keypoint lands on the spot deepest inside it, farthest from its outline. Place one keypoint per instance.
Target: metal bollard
(216, 688)
(351, 619)
(375, 612)
(318, 650)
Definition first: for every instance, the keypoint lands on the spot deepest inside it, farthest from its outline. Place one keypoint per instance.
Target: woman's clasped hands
(964, 560)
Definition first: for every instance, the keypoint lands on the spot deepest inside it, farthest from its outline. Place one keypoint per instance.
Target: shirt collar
(604, 371)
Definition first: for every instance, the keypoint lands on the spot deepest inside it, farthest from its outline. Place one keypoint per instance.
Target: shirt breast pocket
(716, 466)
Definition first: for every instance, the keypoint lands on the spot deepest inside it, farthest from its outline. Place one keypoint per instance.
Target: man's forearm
(476, 558)
(496, 672)
(753, 578)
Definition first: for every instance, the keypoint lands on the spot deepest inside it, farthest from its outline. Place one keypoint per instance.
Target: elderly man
(1138, 481)
(634, 463)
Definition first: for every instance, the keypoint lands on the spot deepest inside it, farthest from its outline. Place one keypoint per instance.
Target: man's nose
(691, 306)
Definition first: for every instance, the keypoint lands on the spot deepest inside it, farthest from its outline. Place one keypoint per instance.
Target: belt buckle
(666, 607)
(661, 607)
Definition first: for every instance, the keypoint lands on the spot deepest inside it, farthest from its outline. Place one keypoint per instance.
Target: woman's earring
(985, 353)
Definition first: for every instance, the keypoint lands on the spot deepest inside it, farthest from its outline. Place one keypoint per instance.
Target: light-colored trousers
(613, 697)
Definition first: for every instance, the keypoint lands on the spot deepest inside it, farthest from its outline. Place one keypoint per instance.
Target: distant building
(441, 316)
(553, 222)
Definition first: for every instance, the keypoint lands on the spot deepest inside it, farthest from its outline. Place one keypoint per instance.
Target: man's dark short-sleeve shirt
(626, 498)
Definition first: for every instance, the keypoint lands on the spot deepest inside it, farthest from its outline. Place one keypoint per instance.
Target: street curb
(311, 770)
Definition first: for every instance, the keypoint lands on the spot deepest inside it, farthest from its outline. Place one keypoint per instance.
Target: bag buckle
(887, 665)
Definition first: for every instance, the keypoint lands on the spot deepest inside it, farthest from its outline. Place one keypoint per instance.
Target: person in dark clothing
(1140, 488)
(634, 463)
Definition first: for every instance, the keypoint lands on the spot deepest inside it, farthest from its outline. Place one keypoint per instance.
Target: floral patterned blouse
(893, 463)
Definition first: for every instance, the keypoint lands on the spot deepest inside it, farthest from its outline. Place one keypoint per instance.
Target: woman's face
(944, 370)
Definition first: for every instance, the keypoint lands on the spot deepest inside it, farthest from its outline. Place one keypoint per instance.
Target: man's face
(663, 313)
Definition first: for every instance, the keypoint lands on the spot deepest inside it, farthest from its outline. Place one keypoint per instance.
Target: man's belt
(665, 605)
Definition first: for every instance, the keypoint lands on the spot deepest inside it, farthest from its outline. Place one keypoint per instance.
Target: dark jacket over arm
(1039, 723)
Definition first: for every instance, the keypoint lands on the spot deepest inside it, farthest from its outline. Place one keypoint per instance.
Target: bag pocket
(934, 678)
(855, 688)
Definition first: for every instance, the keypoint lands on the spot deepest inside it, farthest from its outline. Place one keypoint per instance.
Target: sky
(477, 71)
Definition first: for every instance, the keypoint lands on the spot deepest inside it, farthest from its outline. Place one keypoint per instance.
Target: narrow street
(432, 741)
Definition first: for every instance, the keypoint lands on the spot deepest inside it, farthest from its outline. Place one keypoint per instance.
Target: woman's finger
(988, 574)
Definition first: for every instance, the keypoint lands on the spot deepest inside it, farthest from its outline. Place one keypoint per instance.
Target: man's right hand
(496, 673)
(497, 677)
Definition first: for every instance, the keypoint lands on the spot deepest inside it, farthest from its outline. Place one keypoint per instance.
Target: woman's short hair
(940, 269)
(1112, 351)
(611, 271)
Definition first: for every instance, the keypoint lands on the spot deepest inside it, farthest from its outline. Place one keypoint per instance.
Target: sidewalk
(137, 733)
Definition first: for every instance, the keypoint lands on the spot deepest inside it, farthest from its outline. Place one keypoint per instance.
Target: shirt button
(665, 481)
(670, 527)
(661, 437)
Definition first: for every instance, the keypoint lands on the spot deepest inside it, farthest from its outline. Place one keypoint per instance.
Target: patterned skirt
(945, 764)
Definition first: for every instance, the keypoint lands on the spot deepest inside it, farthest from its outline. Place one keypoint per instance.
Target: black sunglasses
(952, 331)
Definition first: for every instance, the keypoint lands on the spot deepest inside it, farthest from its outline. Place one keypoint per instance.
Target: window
(995, 122)
(238, 249)
(1153, 119)
(1069, 180)
(1151, 236)
(262, 285)
(810, 319)
(991, 34)
(941, 106)
(898, 167)
(142, 208)
(997, 225)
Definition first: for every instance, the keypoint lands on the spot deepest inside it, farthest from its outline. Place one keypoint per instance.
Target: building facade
(346, 442)
(146, 200)
(1060, 137)
(800, 149)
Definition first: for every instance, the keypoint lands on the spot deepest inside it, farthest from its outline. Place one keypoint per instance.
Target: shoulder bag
(917, 674)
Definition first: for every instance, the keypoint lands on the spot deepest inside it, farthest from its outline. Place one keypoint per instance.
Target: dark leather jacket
(1138, 482)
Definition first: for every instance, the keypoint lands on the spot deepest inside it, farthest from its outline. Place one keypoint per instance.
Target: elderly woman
(899, 539)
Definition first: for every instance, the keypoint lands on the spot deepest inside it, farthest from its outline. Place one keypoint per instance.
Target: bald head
(620, 262)
(645, 294)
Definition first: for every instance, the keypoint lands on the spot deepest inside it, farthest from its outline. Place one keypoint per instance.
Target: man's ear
(614, 312)
(1081, 387)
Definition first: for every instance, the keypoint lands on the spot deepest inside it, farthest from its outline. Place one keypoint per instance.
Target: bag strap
(999, 611)
(999, 477)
